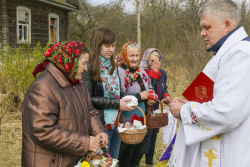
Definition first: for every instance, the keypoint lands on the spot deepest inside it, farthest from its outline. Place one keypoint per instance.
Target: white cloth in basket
(136, 125)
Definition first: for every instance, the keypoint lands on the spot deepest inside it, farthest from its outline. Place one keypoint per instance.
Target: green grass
(11, 142)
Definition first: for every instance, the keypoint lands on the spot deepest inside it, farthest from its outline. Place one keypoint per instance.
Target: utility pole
(138, 22)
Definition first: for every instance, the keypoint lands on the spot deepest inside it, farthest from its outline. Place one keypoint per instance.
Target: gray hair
(222, 10)
(155, 53)
(133, 45)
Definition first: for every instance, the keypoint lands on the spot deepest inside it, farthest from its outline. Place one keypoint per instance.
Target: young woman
(151, 64)
(104, 85)
(59, 123)
(134, 81)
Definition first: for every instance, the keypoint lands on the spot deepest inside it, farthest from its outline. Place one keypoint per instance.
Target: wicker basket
(133, 136)
(158, 120)
(90, 157)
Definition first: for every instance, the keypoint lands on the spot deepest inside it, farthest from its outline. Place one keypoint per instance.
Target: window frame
(55, 16)
(28, 25)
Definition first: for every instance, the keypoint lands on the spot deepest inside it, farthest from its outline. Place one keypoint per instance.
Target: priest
(216, 133)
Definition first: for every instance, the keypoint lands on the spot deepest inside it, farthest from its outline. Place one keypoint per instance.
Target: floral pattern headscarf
(64, 55)
(122, 58)
(145, 60)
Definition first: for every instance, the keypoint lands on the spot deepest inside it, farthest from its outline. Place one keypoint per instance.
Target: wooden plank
(39, 21)
(4, 36)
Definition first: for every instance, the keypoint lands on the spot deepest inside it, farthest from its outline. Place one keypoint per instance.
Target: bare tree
(172, 26)
(138, 22)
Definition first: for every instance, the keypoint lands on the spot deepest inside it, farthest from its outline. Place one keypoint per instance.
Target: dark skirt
(148, 143)
(129, 154)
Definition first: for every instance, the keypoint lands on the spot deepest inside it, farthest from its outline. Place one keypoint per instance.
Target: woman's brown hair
(100, 36)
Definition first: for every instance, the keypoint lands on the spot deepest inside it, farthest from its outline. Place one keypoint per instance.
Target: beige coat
(58, 119)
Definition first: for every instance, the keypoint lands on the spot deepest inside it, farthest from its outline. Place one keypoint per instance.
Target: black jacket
(96, 92)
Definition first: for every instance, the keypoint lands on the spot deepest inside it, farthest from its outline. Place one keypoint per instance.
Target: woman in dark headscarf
(60, 124)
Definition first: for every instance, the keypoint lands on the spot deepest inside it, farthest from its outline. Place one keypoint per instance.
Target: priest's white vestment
(227, 116)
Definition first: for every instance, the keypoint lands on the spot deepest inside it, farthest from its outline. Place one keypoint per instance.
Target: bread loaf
(127, 125)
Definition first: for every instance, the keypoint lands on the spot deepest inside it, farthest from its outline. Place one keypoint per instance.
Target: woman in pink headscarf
(158, 77)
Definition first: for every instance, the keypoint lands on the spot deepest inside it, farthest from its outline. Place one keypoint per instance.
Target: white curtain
(21, 15)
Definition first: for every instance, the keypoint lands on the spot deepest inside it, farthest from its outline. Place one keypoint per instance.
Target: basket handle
(87, 157)
(144, 116)
(161, 107)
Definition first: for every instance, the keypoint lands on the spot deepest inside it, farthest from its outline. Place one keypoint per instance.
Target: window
(53, 28)
(23, 24)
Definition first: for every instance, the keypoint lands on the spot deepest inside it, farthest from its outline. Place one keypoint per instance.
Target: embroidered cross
(210, 156)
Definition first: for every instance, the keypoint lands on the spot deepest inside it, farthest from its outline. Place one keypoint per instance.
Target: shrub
(16, 71)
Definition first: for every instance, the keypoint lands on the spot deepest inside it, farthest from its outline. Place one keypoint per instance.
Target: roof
(73, 2)
(71, 5)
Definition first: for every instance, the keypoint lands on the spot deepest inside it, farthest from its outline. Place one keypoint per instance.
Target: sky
(128, 7)
(101, 2)
(130, 4)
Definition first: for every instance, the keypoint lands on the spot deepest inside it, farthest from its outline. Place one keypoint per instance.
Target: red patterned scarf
(64, 55)
(122, 57)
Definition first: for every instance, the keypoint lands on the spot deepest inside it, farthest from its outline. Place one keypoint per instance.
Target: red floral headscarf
(64, 56)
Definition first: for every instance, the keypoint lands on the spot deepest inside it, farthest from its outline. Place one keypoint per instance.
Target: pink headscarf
(145, 60)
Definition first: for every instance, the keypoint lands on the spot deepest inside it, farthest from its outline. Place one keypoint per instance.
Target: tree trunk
(138, 22)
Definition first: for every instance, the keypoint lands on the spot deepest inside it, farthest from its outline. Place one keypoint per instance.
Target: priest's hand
(181, 100)
(175, 107)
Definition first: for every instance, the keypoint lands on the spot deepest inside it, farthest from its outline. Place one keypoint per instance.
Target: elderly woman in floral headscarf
(59, 123)
(134, 81)
(151, 64)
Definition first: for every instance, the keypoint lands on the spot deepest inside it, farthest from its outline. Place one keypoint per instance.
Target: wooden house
(31, 21)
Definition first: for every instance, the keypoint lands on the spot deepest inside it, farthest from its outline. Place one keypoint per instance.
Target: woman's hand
(103, 138)
(144, 95)
(167, 100)
(151, 102)
(124, 106)
(94, 144)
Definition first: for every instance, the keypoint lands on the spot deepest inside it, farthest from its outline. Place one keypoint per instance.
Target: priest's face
(212, 30)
